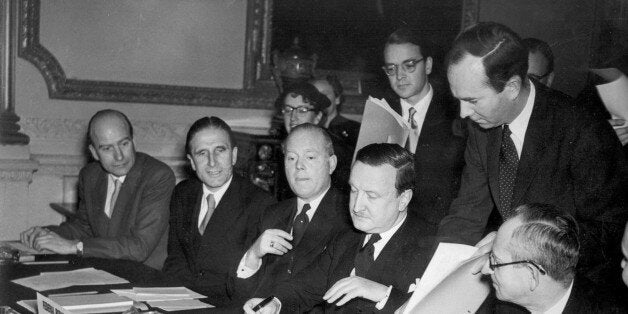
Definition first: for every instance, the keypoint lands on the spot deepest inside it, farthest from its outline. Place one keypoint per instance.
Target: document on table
(447, 258)
(158, 294)
(63, 279)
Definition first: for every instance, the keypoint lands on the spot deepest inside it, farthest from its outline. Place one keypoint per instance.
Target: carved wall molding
(62, 87)
(17, 170)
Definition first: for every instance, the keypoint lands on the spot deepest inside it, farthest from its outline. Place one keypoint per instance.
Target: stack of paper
(63, 279)
(166, 298)
(86, 303)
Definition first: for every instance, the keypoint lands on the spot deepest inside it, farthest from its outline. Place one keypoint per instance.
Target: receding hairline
(102, 116)
(320, 137)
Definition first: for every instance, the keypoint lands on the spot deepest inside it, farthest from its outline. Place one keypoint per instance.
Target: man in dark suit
(529, 144)
(123, 201)
(376, 268)
(294, 232)
(437, 139)
(532, 266)
(213, 214)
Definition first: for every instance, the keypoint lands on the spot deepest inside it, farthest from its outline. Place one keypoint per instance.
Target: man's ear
(428, 65)
(318, 118)
(406, 197)
(333, 161)
(513, 87)
(93, 151)
(234, 156)
(534, 277)
(191, 162)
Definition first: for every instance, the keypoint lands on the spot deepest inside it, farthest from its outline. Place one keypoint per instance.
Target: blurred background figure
(540, 61)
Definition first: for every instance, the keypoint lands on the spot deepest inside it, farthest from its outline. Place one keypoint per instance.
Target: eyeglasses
(538, 77)
(299, 110)
(493, 266)
(407, 66)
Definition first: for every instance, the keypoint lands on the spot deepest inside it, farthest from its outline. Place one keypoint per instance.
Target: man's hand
(484, 247)
(55, 243)
(270, 308)
(353, 287)
(273, 241)
(28, 236)
(622, 132)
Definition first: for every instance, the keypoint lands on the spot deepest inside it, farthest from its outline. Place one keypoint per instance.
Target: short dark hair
(335, 84)
(103, 114)
(394, 155)
(549, 237)
(309, 93)
(309, 127)
(502, 52)
(208, 123)
(406, 35)
(537, 45)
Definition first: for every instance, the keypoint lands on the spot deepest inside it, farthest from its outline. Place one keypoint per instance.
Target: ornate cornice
(17, 170)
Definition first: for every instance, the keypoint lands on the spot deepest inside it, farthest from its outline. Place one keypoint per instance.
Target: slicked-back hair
(537, 45)
(391, 154)
(308, 93)
(309, 127)
(548, 237)
(106, 113)
(212, 122)
(406, 35)
(502, 51)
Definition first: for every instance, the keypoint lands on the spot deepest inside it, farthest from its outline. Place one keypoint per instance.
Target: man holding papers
(375, 268)
(123, 200)
(437, 138)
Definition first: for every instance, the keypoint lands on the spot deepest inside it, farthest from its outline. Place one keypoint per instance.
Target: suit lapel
(227, 211)
(321, 224)
(98, 211)
(127, 191)
(493, 147)
(538, 134)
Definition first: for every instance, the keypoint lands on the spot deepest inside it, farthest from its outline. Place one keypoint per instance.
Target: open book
(381, 124)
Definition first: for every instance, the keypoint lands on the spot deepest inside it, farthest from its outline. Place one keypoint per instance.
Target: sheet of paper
(63, 279)
(615, 97)
(177, 295)
(448, 256)
(179, 305)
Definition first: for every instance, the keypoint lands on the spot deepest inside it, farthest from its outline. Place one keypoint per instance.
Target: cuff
(380, 305)
(244, 271)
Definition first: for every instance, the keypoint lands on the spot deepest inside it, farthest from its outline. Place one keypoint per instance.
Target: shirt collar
(386, 235)
(519, 125)
(313, 203)
(112, 178)
(218, 194)
(423, 103)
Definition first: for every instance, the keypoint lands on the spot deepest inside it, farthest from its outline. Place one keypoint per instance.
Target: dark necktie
(365, 257)
(508, 162)
(411, 113)
(300, 224)
(211, 205)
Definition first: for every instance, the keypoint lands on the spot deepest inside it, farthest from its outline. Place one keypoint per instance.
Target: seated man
(212, 214)
(375, 268)
(294, 232)
(123, 200)
(533, 265)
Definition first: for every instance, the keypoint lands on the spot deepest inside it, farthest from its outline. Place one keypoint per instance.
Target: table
(138, 274)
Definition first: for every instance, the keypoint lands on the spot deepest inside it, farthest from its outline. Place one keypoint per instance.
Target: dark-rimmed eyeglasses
(299, 110)
(407, 66)
(539, 77)
(492, 265)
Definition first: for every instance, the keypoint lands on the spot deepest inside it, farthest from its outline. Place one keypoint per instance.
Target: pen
(262, 304)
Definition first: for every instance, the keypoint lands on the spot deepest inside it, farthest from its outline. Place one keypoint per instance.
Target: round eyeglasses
(299, 110)
(407, 66)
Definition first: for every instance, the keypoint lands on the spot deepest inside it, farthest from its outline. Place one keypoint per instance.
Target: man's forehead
(404, 51)
(211, 135)
(373, 176)
(305, 140)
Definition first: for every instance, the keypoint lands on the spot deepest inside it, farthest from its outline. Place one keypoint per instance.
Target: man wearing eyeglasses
(533, 265)
(437, 138)
(302, 103)
(540, 61)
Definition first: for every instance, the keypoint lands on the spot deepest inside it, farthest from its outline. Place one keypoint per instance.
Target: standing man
(212, 214)
(294, 232)
(376, 268)
(123, 200)
(540, 61)
(529, 144)
(438, 139)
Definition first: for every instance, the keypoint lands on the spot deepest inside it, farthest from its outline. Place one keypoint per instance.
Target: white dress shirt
(111, 186)
(519, 125)
(419, 117)
(218, 194)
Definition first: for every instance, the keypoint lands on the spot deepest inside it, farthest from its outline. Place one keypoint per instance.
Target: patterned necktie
(366, 256)
(508, 162)
(211, 204)
(114, 197)
(413, 123)
(300, 224)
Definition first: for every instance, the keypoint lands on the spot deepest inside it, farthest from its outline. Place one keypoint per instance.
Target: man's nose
(117, 154)
(465, 109)
(486, 269)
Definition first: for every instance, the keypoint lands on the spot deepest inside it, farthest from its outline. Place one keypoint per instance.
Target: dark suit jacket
(438, 159)
(203, 262)
(569, 158)
(585, 298)
(402, 260)
(331, 217)
(138, 228)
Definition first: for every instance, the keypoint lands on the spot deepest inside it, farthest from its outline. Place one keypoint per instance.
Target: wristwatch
(79, 249)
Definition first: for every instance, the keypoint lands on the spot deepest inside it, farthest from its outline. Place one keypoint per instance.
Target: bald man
(124, 199)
